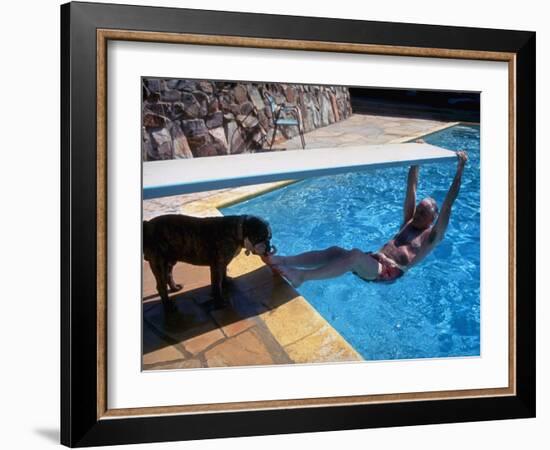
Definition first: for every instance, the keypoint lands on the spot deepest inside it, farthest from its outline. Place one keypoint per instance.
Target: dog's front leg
(174, 287)
(216, 277)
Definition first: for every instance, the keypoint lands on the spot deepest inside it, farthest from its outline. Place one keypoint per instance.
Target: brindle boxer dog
(210, 241)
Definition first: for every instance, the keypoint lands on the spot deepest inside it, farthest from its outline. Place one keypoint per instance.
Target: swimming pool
(433, 311)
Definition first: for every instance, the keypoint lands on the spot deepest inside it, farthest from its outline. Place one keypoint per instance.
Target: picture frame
(86, 418)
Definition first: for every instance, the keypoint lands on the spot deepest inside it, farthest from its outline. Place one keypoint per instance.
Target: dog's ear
(248, 246)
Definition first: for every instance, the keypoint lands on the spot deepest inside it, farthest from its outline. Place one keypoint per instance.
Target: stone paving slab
(156, 351)
(245, 349)
(286, 321)
(202, 204)
(365, 129)
(319, 346)
(231, 322)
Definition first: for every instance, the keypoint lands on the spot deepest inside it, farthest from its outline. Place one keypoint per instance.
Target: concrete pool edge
(244, 193)
(413, 137)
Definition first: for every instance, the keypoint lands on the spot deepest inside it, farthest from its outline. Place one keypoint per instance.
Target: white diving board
(182, 176)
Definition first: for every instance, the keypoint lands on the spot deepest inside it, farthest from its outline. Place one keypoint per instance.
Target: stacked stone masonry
(194, 118)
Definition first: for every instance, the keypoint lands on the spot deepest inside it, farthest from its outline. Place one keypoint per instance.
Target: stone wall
(194, 118)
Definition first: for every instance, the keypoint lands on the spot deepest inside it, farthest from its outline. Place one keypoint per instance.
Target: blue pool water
(432, 311)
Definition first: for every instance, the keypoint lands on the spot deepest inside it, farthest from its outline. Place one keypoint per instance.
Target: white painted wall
(29, 180)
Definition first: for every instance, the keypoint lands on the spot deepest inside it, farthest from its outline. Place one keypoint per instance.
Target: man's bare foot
(273, 260)
(293, 276)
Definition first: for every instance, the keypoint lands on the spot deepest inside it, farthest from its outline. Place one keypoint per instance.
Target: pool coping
(413, 137)
(232, 197)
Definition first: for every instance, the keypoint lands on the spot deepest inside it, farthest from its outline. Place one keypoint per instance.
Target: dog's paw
(176, 288)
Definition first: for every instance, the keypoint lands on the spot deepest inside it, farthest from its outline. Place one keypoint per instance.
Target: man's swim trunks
(389, 271)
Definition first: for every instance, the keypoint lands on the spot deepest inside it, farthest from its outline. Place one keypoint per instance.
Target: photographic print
(381, 263)
(315, 213)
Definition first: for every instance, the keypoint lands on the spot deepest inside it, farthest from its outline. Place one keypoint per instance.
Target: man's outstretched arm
(410, 199)
(438, 230)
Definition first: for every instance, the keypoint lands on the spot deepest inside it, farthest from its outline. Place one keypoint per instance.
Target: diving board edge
(155, 185)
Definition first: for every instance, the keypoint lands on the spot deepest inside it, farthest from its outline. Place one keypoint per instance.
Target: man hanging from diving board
(422, 229)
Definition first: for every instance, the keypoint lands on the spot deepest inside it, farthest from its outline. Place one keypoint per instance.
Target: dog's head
(257, 236)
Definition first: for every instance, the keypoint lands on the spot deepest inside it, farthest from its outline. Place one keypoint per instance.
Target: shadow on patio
(190, 339)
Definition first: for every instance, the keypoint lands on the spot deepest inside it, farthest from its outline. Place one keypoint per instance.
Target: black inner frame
(79, 424)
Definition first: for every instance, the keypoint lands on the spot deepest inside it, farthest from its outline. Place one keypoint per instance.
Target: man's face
(425, 214)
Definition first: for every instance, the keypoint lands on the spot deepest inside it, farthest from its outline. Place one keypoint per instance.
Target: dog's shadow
(246, 296)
